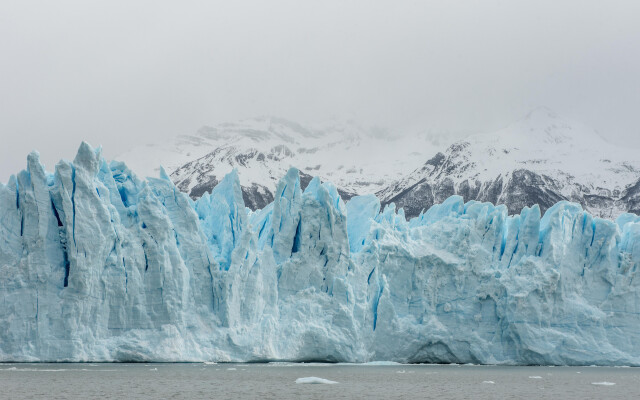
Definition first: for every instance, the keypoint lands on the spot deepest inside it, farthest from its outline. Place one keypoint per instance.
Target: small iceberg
(383, 363)
(489, 382)
(535, 377)
(603, 383)
(315, 380)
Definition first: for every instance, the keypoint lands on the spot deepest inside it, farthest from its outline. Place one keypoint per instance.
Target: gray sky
(120, 73)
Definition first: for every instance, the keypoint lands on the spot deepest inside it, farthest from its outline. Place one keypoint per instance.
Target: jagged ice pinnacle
(98, 265)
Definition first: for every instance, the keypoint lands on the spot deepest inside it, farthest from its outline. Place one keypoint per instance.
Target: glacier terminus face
(99, 265)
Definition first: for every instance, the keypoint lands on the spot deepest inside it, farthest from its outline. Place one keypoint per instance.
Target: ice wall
(98, 265)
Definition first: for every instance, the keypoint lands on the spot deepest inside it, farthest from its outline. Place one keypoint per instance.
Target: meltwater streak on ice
(98, 265)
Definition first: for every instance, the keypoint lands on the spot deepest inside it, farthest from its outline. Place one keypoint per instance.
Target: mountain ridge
(541, 158)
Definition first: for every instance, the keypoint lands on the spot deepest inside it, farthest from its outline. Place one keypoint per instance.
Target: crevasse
(98, 265)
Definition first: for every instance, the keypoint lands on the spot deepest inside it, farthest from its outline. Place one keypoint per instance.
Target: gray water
(277, 381)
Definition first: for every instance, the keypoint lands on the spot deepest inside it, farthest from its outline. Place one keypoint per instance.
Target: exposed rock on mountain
(541, 159)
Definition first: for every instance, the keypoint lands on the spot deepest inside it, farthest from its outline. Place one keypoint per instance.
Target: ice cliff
(98, 265)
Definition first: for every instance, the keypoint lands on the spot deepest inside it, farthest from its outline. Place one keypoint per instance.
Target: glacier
(99, 265)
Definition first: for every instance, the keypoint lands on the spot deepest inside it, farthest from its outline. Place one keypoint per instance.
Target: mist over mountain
(541, 158)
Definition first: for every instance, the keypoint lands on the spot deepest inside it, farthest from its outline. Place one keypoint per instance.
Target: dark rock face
(203, 187)
(524, 189)
(521, 188)
(256, 197)
(304, 180)
(413, 199)
(631, 198)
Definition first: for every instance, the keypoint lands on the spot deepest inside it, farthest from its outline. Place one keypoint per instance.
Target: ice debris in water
(315, 380)
(382, 363)
(99, 265)
(603, 383)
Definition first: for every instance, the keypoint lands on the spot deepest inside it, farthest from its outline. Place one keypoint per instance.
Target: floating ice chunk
(489, 382)
(535, 377)
(231, 369)
(315, 380)
(603, 383)
(377, 363)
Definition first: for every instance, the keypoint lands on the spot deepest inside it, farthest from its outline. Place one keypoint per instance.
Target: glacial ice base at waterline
(99, 265)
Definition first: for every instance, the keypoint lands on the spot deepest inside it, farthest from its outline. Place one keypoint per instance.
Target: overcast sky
(119, 73)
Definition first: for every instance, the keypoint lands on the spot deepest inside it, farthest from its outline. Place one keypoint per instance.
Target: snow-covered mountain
(540, 159)
(356, 159)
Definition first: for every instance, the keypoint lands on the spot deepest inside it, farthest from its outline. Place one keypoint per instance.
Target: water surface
(277, 381)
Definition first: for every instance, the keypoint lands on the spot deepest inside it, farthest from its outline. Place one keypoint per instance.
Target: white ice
(98, 265)
(315, 380)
